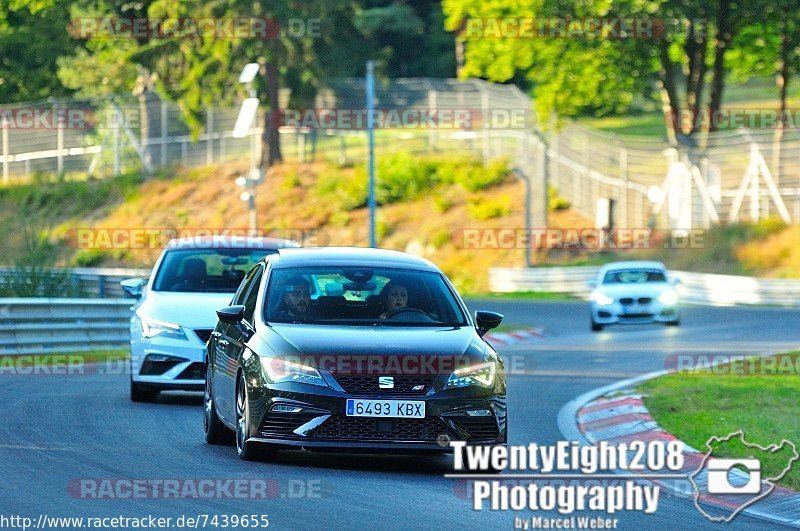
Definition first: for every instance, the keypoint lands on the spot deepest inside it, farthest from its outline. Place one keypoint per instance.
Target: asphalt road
(57, 431)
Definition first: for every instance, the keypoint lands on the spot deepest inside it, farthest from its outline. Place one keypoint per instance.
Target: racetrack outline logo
(770, 481)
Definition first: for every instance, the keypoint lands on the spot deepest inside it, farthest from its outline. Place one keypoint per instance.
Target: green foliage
(88, 257)
(475, 177)
(482, 208)
(554, 201)
(382, 229)
(401, 176)
(348, 190)
(443, 203)
(290, 181)
(440, 238)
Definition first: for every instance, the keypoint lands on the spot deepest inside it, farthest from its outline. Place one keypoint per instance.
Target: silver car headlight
(481, 375)
(156, 328)
(279, 370)
(668, 297)
(601, 298)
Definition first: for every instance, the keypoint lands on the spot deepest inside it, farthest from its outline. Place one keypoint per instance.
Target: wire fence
(740, 175)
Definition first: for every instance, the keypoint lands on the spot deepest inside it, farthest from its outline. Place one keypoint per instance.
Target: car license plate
(386, 408)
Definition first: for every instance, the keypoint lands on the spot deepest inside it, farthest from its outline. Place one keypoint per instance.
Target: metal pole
(164, 133)
(6, 170)
(370, 82)
(209, 137)
(116, 124)
(59, 141)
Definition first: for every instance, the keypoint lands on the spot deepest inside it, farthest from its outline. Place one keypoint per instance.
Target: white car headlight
(279, 370)
(668, 297)
(481, 375)
(156, 328)
(601, 298)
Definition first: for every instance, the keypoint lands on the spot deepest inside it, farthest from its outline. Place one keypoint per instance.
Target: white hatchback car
(633, 292)
(175, 311)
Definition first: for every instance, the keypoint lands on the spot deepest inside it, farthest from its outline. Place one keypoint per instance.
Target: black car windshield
(205, 270)
(361, 296)
(634, 276)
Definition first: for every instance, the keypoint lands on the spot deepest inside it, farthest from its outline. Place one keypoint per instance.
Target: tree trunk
(271, 142)
(671, 103)
(724, 37)
(696, 46)
(782, 80)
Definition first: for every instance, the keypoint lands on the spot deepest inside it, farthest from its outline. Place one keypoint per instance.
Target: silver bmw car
(633, 292)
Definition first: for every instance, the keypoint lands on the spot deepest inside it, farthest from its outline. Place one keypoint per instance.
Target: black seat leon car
(351, 349)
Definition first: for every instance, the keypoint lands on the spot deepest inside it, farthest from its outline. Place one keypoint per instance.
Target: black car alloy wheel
(248, 451)
(216, 432)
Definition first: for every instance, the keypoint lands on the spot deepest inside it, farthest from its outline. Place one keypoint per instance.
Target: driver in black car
(394, 296)
(296, 300)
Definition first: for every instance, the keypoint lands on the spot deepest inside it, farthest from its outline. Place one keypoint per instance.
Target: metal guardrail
(91, 282)
(694, 288)
(41, 326)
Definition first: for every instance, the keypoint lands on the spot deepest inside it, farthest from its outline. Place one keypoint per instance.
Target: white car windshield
(634, 276)
(206, 270)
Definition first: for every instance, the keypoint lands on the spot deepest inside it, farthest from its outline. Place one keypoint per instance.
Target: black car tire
(676, 322)
(596, 327)
(141, 394)
(248, 451)
(215, 431)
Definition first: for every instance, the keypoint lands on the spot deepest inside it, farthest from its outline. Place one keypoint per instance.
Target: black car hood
(314, 342)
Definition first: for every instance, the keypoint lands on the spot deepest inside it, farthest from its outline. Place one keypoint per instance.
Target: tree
(27, 54)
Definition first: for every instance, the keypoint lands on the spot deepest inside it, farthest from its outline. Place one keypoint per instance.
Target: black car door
(226, 351)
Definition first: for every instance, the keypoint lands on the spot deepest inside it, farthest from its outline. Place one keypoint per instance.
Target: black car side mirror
(231, 314)
(485, 321)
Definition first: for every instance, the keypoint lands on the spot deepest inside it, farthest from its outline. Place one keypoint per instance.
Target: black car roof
(355, 256)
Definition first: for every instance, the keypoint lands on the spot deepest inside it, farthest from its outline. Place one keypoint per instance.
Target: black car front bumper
(322, 422)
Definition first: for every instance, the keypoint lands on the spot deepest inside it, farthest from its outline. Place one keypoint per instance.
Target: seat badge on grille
(418, 387)
(385, 382)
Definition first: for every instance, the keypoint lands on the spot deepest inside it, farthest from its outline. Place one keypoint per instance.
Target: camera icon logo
(725, 476)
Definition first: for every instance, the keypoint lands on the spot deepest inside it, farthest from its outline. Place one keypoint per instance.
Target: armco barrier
(695, 288)
(33, 326)
(100, 282)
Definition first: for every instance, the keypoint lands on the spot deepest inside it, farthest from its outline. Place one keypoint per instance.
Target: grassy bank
(697, 405)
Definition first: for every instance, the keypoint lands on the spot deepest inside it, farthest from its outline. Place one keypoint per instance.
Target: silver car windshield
(361, 296)
(634, 276)
(205, 270)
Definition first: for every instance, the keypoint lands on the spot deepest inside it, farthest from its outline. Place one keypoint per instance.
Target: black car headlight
(481, 375)
(280, 370)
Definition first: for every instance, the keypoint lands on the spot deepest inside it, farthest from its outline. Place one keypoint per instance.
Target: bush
(401, 176)
(554, 201)
(442, 203)
(475, 177)
(482, 208)
(347, 190)
(88, 257)
(440, 238)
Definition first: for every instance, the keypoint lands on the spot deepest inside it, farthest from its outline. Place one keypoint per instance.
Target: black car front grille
(203, 334)
(284, 423)
(403, 384)
(626, 300)
(645, 300)
(479, 428)
(360, 428)
(195, 371)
